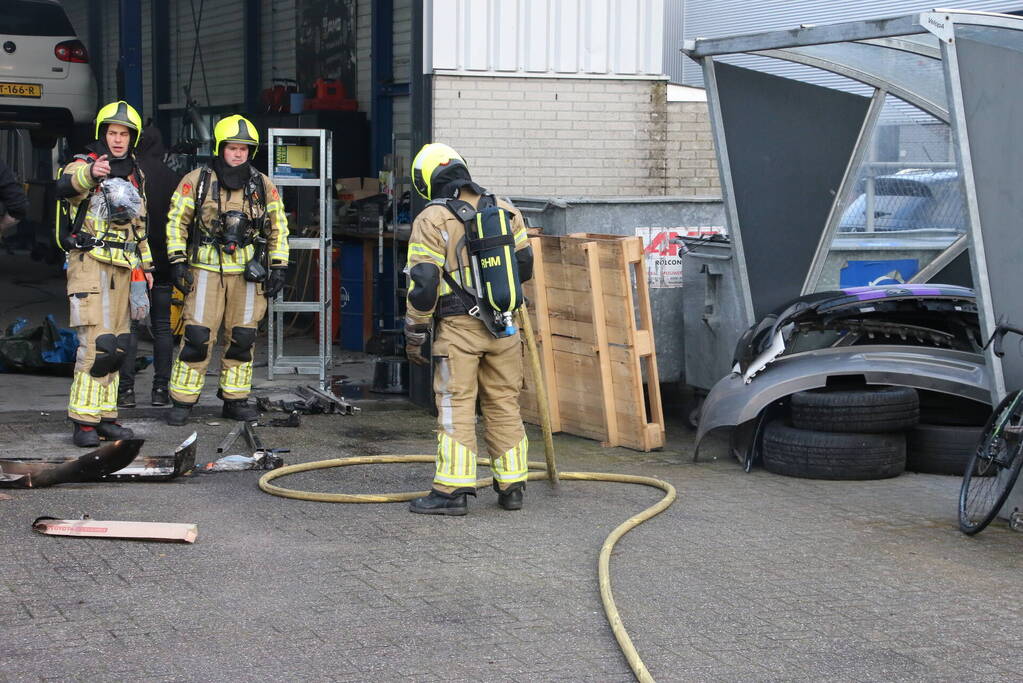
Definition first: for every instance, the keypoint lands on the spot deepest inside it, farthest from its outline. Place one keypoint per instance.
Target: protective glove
(415, 337)
(182, 276)
(274, 282)
(83, 241)
(138, 299)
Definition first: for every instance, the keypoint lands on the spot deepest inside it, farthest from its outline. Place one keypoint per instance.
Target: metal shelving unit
(278, 362)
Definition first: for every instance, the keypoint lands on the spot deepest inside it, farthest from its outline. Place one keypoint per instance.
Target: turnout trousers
(98, 297)
(218, 299)
(471, 364)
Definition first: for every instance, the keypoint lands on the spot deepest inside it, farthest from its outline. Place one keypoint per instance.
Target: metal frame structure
(966, 62)
(926, 35)
(277, 362)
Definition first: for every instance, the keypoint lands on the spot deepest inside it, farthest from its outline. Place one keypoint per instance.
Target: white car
(46, 83)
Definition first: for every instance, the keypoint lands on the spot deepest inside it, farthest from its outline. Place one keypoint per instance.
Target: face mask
(231, 177)
(119, 168)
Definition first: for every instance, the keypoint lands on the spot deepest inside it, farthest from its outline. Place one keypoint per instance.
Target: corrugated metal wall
(401, 64)
(278, 18)
(217, 79)
(222, 39)
(714, 18)
(614, 38)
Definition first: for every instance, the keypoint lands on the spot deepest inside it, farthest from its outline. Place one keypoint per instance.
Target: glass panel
(916, 74)
(797, 72)
(904, 205)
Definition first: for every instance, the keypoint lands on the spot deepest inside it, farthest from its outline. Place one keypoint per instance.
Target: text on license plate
(21, 90)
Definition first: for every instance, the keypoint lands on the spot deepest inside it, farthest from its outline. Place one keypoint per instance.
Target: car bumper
(732, 401)
(56, 106)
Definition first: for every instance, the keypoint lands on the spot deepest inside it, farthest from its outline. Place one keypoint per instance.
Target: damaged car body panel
(921, 336)
(116, 461)
(93, 466)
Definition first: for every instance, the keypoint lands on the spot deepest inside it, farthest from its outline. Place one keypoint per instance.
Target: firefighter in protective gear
(470, 361)
(227, 243)
(105, 244)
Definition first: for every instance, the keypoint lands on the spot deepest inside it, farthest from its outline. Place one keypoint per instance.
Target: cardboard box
(353, 189)
(142, 531)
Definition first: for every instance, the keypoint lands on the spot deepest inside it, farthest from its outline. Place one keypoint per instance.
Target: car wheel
(43, 139)
(944, 409)
(877, 410)
(941, 449)
(832, 455)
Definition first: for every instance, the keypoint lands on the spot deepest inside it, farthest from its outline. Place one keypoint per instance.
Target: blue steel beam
(129, 65)
(160, 25)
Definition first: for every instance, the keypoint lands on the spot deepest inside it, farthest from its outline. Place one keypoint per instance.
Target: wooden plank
(603, 354)
(568, 304)
(565, 276)
(585, 331)
(543, 330)
(630, 382)
(647, 323)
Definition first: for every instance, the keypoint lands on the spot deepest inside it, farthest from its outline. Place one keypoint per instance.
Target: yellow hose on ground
(603, 562)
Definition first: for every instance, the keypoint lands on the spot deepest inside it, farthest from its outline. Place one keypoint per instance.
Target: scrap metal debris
(140, 531)
(294, 419)
(312, 401)
(159, 467)
(116, 461)
(262, 458)
(33, 473)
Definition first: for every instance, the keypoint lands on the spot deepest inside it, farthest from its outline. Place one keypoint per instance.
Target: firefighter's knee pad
(242, 340)
(197, 344)
(108, 356)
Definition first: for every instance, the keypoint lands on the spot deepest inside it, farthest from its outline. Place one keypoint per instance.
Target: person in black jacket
(13, 200)
(160, 184)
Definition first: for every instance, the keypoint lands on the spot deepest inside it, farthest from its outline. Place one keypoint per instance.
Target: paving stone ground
(747, 577)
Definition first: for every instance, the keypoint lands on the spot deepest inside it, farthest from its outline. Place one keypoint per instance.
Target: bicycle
(995, 465)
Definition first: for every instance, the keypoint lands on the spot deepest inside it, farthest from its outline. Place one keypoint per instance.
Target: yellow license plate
(21, 90)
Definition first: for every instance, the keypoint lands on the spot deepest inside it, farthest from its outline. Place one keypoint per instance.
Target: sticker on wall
(665, 255)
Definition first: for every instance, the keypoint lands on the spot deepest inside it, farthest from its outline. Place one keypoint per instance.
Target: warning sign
(665, 255)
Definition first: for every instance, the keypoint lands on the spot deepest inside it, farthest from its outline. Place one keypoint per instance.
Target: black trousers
(163, 340)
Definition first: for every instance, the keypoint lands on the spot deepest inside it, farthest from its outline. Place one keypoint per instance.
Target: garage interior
(340, 65)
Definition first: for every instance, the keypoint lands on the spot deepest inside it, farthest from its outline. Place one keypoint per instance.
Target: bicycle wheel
(994, 467)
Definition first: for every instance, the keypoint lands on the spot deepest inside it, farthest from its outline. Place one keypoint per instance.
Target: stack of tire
(865, 433)
(947, 434)
(843, 434)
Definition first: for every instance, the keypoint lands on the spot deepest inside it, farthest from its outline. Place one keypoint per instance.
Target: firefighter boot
(85, 436)
(438, 503)
(160, 396)
(178, 414)
(111, 431)
(126, 398)
(239, 409)
(511, 497)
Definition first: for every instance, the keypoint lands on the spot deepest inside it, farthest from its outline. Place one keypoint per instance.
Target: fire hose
(540, 470)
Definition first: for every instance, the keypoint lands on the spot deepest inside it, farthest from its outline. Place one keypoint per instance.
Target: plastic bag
(117, 201)
(263, 460)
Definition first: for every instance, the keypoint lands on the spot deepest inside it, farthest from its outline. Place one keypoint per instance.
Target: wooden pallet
(590, 308)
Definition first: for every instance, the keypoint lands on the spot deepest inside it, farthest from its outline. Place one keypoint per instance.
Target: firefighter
(473, 357)
(108, 264)
(229, 257)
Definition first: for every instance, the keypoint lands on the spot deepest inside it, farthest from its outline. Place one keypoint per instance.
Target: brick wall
(575, 137)
(692, 165)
